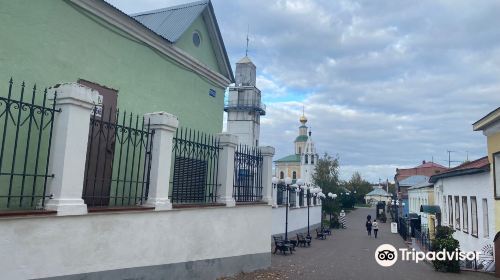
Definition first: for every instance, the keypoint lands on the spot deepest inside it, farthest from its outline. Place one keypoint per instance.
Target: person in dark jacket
(369, 225)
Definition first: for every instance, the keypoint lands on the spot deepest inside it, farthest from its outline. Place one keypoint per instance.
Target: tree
(326, 176)
(359, 185)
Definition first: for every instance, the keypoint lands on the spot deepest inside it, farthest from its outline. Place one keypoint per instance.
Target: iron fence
(301, 198)
(403, 228)
(422, 239)
(117, 170)
(247, 186)
(292, 199)
(280, 196)
(26, 121)
(196, 158)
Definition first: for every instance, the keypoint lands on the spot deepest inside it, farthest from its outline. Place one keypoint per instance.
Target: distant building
(421, 203)
(426, 169)
(377, 195)
(407, 183)
(302, 162)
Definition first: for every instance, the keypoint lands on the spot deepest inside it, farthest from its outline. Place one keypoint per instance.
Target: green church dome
(301, 138)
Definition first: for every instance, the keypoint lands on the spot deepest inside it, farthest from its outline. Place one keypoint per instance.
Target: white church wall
(37, 247)
(297, 219)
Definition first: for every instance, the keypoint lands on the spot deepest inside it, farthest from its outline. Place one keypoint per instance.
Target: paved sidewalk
(349, 254)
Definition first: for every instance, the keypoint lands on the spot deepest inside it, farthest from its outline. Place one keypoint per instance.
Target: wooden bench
(302, 240)
(281, 245)
(320, 234)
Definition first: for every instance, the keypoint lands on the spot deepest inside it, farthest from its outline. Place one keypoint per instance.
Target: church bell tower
(243, 105)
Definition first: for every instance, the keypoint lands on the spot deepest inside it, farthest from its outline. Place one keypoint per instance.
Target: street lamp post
(395, 204)
(286, 187)
(331, 196)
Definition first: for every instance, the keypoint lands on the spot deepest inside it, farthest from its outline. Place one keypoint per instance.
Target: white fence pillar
(267, 153)
(228, 143)
(297, 201)
(69, 148)
(164, 125)
(275, 196)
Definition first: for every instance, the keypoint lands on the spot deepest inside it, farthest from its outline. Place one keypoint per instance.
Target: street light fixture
(286, 187)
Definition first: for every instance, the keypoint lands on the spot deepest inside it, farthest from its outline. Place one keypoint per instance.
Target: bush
(444, 240)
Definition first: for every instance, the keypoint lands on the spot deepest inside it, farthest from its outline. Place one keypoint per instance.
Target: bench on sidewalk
(320, 234)
(282, 245)
(327, 231)
(303, 240)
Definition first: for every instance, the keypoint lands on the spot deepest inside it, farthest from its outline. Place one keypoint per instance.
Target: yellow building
(490, 126)
(302, 162)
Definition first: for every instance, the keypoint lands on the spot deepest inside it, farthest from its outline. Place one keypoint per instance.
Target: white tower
(244, 106)
(308, 160)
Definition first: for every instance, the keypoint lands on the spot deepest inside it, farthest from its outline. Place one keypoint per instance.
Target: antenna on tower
(248, 31)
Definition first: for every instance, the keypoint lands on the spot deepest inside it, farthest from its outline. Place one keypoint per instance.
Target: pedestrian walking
(375, 228)
(369, 226)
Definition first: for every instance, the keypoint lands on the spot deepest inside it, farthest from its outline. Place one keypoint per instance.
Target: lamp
(300, 182)
(288, 180)
(274, 180)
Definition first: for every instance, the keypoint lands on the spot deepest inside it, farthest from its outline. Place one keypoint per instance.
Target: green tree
(358, 187)
(326, 176)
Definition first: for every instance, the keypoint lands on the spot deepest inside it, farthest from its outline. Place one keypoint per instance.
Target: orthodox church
(301, 164)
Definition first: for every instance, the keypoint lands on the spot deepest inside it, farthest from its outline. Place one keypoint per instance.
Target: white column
(164, 125)
(69, 148)
(297, 194)
(267, 153)
(228, 143)
(275, 196)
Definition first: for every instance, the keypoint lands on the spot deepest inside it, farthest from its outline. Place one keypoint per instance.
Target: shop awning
(430, 209)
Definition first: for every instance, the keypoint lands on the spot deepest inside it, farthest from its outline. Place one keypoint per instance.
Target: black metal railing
(280, 196)
(26, 121)
(117, 169)
(196, 158)
(292, 199)
(403, 228)
(301, 198)
(247, 186)
(422, 239)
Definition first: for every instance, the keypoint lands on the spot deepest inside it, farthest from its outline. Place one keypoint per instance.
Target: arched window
(312, 159)
(282, 175)
(294, 175)
(300, 150)
(307, 159)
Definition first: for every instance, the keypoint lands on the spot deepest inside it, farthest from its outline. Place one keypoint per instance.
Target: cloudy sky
(385, 84)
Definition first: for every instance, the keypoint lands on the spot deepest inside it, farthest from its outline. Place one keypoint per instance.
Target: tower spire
(248, 31)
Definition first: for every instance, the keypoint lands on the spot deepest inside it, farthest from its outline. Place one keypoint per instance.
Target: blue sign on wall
(212, 92)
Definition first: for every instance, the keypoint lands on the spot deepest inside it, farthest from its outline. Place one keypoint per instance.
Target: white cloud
(386, 84)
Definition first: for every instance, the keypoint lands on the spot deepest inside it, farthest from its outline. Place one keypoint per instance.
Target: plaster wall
(38, 247)
(297, 219)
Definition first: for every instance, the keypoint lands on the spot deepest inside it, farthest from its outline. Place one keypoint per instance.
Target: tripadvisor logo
(386, 255)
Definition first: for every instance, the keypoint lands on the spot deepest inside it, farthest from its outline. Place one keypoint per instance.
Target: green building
(171, 59)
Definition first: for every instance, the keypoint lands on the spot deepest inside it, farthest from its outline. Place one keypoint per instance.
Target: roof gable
(173, 22)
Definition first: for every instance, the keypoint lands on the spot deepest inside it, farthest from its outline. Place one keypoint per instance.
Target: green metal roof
(431, 209)
(290, 158)
(301, 138)
(302, 126)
